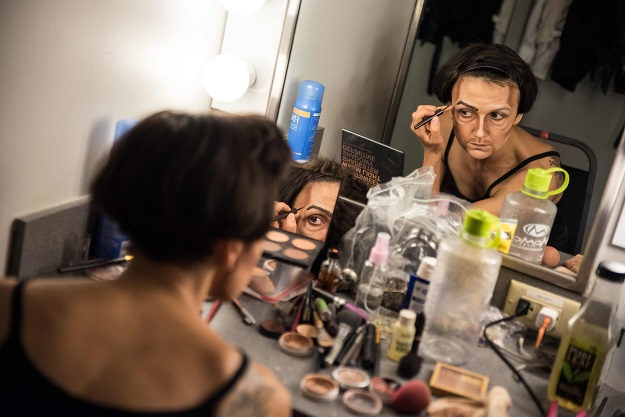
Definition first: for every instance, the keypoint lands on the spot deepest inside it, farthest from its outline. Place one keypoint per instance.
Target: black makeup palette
(291, 248)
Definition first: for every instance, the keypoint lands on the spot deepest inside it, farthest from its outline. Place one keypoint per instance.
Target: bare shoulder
(6, 290)
(259, 394)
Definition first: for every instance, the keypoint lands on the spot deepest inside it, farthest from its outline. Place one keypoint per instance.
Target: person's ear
(518, 118)
(227, 253)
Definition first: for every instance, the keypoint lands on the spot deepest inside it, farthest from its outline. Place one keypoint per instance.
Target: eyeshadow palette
(291, 248)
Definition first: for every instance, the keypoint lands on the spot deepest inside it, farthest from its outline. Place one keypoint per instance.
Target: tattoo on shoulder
(554, 161)
(250, 403)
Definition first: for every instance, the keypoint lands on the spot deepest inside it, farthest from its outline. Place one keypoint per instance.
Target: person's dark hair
(176, 183)
(326, 170)
(494, 63)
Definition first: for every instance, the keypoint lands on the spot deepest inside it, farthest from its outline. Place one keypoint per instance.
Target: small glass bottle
(330, 272)
(402, 336)
(583, 348)
(373, 275)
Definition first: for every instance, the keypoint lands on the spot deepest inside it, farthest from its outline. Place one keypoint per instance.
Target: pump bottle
(533, 213)
(583, 348)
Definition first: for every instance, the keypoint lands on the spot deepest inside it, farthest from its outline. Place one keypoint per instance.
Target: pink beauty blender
(412, 397)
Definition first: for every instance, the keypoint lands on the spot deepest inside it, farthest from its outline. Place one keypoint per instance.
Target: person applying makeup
(475, 145)
(137, 346)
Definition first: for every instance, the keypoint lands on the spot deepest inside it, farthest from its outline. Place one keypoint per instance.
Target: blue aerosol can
(305, 119)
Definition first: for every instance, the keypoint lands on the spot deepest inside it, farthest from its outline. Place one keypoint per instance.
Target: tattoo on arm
(252, 403)
(554, 161)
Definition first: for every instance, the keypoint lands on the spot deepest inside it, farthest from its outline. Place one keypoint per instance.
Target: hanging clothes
(464, 22)
(502, 21)
(593, 41)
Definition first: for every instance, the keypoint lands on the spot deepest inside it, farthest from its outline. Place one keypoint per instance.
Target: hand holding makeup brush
(284, 217)
(426, 125)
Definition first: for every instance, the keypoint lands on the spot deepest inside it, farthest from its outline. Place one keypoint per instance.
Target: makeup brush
(348, 321)
(323, 337)
(429, 118)
(286, 214)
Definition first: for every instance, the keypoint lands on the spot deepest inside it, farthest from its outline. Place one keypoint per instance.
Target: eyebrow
(313, 206)
(468, 105)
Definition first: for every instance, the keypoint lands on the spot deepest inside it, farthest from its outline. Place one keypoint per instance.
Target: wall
(70, 69)
(586, 114)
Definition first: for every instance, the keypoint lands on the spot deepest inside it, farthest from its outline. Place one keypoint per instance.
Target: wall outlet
(538, 298)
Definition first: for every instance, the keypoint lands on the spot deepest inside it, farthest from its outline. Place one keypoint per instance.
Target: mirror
(587, 114)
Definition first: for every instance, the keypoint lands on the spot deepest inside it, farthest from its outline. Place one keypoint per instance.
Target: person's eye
(466, 113)
(497, 116)
(316, 220)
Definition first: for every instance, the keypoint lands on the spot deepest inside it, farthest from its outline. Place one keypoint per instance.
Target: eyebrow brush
(429, 118)
(285, 214)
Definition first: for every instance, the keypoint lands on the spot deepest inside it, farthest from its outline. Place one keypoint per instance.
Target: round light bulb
(242, 7)
(227, 77)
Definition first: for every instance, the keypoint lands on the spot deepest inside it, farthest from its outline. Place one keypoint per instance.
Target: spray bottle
(305, 119)
(533, 213)
(373, 276)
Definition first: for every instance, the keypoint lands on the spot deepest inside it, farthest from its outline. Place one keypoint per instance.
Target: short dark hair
(176, 183)
(495, 63)
(327, 170)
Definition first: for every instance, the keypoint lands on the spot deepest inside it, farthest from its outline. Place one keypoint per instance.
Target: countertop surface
(290, 369)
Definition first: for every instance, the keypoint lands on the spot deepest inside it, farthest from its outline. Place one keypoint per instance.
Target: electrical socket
(539, 298)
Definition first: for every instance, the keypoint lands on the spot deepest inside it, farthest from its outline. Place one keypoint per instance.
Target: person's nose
(480, 132)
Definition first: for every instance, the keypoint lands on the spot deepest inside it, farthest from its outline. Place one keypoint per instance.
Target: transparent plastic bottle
(373, 275)
(330, 271)
(583, 348)
(533, 213)
(460, 290)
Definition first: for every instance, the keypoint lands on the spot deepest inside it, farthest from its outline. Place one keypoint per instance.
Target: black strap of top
(16, 311)
(518, 168)
(217, 396)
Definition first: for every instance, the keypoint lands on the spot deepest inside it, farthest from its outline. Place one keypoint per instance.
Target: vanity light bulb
(226, 77)
(242, 7)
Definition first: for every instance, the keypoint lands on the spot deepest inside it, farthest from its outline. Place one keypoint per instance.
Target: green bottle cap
(480, 225)
(538, 180)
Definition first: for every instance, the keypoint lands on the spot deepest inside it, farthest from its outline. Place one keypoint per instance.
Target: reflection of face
(484, 114)
(318, 200)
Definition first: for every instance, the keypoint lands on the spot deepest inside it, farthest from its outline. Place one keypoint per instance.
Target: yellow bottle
(583, 349)
(403, 335)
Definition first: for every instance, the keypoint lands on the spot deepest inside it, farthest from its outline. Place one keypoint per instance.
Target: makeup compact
(291, 248)
(295, 344)
(362, 402)
(348, 377)
(319, 387)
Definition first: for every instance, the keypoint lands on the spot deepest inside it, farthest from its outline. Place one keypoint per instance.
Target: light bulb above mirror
(227, 77)
(242, 7)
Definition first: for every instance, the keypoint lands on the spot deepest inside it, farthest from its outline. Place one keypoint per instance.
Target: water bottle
(305, 119)
(460, 290)
(533, 213)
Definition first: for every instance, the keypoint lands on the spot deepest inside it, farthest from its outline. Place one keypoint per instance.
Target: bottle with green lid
(460, 289)
(528, 215)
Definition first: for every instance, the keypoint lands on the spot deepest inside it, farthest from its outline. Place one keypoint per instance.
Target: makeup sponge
(412, 397)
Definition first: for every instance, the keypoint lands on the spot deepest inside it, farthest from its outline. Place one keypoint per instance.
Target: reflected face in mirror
(483, 115)
(317, 200)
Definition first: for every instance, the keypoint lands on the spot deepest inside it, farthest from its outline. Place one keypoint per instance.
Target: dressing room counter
(291, 369)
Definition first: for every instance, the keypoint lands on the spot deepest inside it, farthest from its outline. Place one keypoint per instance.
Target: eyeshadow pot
(319, 387)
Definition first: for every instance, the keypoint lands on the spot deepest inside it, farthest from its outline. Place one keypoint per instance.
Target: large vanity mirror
(588, 115)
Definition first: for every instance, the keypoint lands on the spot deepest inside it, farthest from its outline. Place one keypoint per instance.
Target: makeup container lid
(362, 402)
(307, 330)
(349, 377)
(384, 388)
(295, 344)
(319, 387)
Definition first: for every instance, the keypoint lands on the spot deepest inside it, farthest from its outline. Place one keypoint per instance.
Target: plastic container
(583, 348)
(533, 213)
(460, 290)
(330, 272)
(403, 335)
(305, 119)
(373, 275)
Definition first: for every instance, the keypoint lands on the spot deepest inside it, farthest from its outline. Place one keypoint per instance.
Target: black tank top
(24, 391)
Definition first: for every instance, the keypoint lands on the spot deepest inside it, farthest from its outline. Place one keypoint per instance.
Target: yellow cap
(480, 224)
(538, 180)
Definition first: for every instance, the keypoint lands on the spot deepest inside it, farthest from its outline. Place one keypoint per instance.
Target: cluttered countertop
(290, 369)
